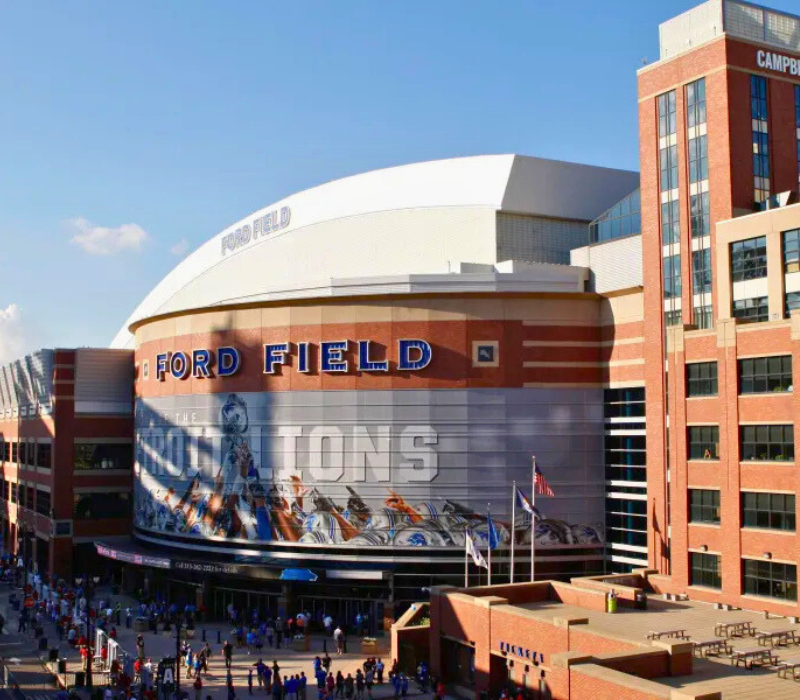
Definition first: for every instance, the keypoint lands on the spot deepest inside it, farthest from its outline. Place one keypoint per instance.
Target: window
(13, 492)
(792, 302)
(672, 276)
(761, 375)
(668, 157)
(672, 318)
(624, 403)
(670, 222)
(698, 159)
(704, 506)
(21, 495)
(749, 259)
(703, 442)
(102, 456)
(704, 316)
(696, 102)
(667, 122)
(14, 451)
(42, 502)
(768, 443)
(44, 455)
(100, 506)
(791, 250)
(755, 310)
(770, 579)
(700, 214)
(701, 269)
(704, 570)
(775, 511)
(623, 219)
(759, 115)
(701, 379)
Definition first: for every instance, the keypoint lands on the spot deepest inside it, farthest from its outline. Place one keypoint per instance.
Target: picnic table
(666, 634)
(791, 664)
(779, 637)
(711, 645)
(734, 629)
(751, 655)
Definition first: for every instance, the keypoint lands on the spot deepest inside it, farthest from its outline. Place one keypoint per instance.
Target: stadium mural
(394, 468)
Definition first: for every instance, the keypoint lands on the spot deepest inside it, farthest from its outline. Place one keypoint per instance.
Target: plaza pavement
(34, 680)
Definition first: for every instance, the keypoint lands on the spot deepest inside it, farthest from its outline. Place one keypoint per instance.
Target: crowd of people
(74, 611)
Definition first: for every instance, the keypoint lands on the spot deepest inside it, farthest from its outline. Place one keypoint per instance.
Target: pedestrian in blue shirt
(302, 684)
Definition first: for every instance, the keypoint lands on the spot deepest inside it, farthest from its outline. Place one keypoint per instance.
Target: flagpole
(513, 524)
(466, 562)
(533, 517)
(488, 520)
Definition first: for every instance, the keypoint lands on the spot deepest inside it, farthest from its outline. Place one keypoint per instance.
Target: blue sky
(176, 119)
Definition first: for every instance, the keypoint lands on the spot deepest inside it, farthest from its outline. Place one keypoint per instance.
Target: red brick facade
(53, 549)
(726, 64)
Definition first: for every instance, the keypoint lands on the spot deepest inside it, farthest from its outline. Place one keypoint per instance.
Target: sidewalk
(157, 646)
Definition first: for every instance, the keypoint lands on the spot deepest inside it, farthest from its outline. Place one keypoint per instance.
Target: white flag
(472, 550)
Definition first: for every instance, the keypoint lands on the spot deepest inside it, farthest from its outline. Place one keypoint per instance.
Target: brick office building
(66, 426)
(719, 138)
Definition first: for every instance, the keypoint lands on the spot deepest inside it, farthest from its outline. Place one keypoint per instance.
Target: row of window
(27, 452)
(26, 496)
(771, 511)
(757, 375)
(757, 443)
(86, 455)
(87, 506)
(762, 578)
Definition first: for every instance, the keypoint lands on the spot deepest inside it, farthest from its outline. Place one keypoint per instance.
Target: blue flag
(523, 502)
(494, 538)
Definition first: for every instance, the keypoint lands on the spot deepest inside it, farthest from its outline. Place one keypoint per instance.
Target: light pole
(88, 592)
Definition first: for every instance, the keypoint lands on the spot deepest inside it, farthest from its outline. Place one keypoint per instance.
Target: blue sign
(298, 575)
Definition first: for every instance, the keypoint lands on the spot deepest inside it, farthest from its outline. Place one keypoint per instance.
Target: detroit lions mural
(271, 468)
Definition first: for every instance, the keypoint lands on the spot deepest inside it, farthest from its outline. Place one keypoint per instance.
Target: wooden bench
(790, 664)
(781, 637)
(752, 655)
(667, 634)
(711, 645)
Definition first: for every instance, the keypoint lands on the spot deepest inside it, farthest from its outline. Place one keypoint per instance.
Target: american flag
(542, 487)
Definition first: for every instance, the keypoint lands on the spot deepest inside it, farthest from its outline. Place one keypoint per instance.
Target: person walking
(339, 684)
(379, 671)
(277, 687)
(349, 687)
(250, 681)
(338, 638)
(302, 684)
(279, 627)
(227, 652)
(326, 662)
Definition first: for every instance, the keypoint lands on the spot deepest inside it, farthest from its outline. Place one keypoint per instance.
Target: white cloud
(180, 248)
(103, 240)
(16, 338)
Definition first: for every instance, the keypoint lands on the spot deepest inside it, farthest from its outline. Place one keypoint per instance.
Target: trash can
(53, 655)
(611, 603)
(641, 600)
(80, 679)
(62, 663)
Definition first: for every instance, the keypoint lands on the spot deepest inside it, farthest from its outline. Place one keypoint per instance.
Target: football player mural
(233, 496)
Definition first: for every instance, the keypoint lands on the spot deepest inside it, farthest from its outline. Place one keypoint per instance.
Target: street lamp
(88, 593)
